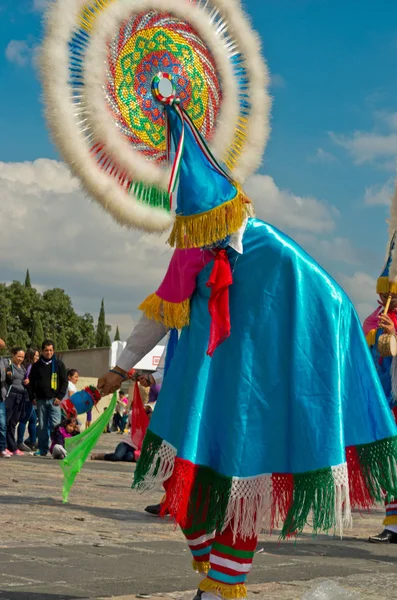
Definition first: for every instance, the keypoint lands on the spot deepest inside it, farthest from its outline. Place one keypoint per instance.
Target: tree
(37, 337)
(116, 335)
(27, 280)
(62, 343)
(101, 327)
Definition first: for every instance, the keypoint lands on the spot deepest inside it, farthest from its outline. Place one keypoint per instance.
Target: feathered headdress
(147, 96)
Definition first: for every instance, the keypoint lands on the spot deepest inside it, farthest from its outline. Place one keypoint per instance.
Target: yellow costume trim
(201, 567)
(390, 520)
(204, 229)
(229, 592)
(174, 315)
(371, 337)
(385, 286)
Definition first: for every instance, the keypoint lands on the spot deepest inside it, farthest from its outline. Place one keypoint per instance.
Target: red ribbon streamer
(139, 420)
(220, 280)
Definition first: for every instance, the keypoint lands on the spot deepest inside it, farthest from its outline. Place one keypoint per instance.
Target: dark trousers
(124, 452)
(15, 406)
(29, 418)
(3, 426)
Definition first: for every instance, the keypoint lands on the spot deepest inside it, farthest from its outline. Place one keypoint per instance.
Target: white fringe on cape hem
(249, 509)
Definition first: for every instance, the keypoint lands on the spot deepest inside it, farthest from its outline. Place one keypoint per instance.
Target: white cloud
(287, 210)
(67, 241)
(19, 52)
(367, 147)
(322, 156)
(361, 288)
(379, 195)
(378, 146)
(277, 81)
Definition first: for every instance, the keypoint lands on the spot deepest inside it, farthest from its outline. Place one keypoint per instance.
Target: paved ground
(102, 545)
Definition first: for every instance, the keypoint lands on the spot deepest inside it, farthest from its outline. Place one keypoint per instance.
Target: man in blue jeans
(48, 385)
(3, 394)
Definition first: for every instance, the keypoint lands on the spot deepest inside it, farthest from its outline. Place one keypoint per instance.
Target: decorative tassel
(371, 337)
(201, 567)
(174, 315)
(229, 592)
(385, 286)
(204, 229)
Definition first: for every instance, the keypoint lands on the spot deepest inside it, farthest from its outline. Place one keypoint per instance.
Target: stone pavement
(102, 545)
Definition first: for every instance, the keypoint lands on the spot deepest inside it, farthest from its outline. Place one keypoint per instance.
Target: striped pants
(225, 562)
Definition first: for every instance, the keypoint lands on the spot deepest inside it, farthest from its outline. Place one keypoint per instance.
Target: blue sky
(334, 119)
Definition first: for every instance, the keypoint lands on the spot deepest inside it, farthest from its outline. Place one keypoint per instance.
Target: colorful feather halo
(99, 60)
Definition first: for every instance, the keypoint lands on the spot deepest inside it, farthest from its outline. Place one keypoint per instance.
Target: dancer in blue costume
(380, 329)
(271, 407)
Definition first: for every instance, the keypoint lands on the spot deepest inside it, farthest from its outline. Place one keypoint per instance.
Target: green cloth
(80, 446)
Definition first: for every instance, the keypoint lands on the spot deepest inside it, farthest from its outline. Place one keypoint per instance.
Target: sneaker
(7, 451)
(38, 453)
(5, 454)
(24, 447)
(18, 453)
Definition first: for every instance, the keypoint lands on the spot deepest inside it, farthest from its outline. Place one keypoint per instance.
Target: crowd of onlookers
(33, 385)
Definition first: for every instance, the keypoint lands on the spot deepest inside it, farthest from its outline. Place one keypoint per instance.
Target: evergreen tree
(37, 332)
(62, 342)
(107, 342)
(116, 335)
(3, 326)
(27, 280)
(101, 328)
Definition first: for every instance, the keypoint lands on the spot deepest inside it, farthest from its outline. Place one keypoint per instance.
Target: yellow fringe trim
(172, 314)
(371, 337)
(204, 229)
(390, 520)
(385, 286)
(201, 567)
(229, 592)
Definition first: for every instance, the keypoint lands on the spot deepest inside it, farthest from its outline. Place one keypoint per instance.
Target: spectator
(66, 429)
(29, 416)
(73, 377)
(144, 387)
(155, 388)
(16, 397)
(121, 414)
(3, 393)
(48, 385)
(125, 451)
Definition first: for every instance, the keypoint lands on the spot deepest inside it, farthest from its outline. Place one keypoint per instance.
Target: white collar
(236, 239)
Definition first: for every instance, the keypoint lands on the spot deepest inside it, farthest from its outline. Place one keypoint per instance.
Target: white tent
(150, 362)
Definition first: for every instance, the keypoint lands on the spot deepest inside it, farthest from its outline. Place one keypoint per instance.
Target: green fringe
(314, 491)
(151, 195)
(151, 446)
(376, 461)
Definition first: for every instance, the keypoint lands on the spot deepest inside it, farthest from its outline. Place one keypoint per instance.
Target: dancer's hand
(387, 324)
(109, 383)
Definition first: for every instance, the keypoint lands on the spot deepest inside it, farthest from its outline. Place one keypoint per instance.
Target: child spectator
(66, 429)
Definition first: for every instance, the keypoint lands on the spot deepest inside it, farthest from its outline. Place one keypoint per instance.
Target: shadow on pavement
(349, 548)
(115, 514)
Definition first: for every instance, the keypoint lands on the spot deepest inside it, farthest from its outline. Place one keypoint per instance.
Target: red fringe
(283, 494)
(359, 493)
(179, 491)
